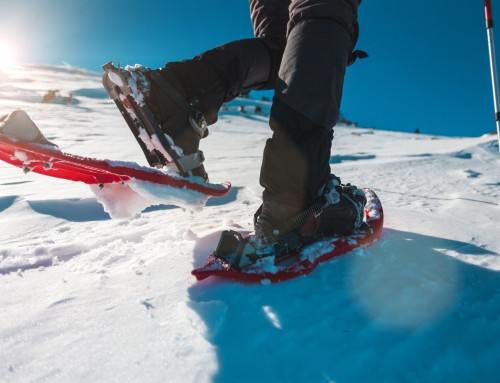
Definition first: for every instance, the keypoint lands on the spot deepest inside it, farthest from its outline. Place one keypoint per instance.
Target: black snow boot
(184, 97)
(338, 210)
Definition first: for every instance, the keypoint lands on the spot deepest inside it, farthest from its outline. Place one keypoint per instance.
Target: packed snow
(128, 199)
(87, 298)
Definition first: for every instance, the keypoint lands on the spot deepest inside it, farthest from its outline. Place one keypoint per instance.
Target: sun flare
(6, 55)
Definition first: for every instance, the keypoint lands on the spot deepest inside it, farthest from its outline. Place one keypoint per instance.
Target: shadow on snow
(6, 202)
(230, 197)
(337, 159)
(403, 310)
(71, 209)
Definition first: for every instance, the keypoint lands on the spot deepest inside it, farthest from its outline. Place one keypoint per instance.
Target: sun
(6, 55)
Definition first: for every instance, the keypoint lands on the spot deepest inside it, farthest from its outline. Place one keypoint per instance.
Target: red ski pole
(493, 64)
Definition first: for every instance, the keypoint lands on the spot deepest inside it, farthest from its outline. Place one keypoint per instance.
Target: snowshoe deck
(303, 261)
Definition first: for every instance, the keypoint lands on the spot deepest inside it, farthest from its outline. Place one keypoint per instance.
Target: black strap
(173, 93)
(257, 214)
(357, 54)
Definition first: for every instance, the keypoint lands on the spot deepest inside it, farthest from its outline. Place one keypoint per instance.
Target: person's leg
(223, 73)
(214, 77)
(269, 21)
(345, 12)
(306, 106)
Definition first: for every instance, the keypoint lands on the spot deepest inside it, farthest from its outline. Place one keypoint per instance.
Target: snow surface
(86, 298)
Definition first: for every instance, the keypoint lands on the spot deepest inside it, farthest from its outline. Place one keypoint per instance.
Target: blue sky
(428, 65)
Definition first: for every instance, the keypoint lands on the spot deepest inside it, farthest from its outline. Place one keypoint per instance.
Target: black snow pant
(301, 49)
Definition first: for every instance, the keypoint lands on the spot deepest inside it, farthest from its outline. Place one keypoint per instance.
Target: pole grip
(488, 14)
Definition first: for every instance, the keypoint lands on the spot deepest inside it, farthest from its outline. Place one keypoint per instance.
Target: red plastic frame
(49, 161)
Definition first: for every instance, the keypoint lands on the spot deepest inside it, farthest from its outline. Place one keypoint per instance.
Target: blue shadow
(72, 209)
(228, 198)
(337, 159)
(318, 328)
(6, 202)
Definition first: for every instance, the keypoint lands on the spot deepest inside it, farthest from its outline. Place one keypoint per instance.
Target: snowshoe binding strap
(190, 161)
(235, 250)
(196, 119)
(351, 193)
(240, 252)
(173, 93)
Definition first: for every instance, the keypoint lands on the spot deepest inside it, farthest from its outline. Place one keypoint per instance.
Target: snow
(144, 136)
(155, 141)
(20, 155)
(86, 298)
(129, 199)
(136, 81)
(114, 77)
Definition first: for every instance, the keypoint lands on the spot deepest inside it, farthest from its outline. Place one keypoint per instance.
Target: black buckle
(234, 249)
(198, 122)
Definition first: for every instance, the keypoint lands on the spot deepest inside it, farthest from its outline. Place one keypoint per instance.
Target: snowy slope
(86, 298)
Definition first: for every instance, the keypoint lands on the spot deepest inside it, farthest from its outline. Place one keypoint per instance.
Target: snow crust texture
(86, 298)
